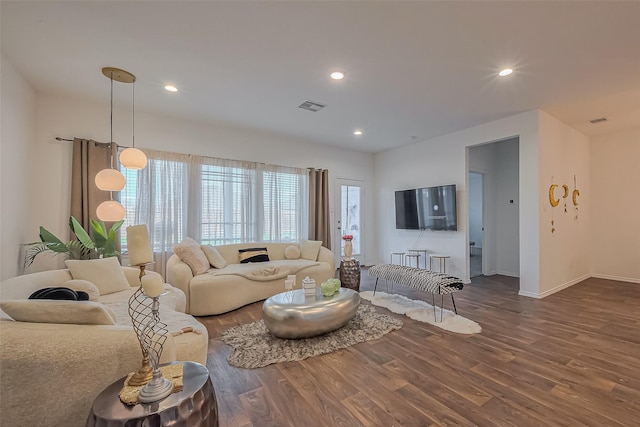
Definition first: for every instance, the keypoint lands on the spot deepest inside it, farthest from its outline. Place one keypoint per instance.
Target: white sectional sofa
(219, 290)
(52, 372)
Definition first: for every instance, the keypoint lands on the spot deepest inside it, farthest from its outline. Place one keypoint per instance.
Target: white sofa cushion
(292, 252)
(105, 273)
(191, 254)
(56, 311)
(214, 257)
(84, 286)
(309, 249)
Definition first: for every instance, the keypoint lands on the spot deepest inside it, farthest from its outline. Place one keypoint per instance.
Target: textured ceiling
(415, 70)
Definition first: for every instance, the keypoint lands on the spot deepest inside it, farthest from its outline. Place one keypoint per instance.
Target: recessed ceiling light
(337, 75)
(357, 132)
(505, 72)
(171, 88)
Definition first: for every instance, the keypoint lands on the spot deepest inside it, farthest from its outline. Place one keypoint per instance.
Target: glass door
(349, 219)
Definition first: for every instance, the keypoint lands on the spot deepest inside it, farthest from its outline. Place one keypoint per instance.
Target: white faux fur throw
(265, 271)
(422, 312)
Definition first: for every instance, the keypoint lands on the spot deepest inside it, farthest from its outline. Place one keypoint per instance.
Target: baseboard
(554, 290)
(617, 278)
(507, 273)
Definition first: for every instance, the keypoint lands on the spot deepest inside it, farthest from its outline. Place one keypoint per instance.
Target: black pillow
(253, 255)
(60, 293)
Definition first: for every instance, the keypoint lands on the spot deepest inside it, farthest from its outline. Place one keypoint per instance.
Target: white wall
(68, 118)
(615, 206)
(475, 209)
(507, 213)
(564, 254)
(18, 110)
(443, 160)
(482, 158)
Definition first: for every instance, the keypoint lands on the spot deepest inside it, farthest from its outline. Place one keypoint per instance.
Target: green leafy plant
(101, 242)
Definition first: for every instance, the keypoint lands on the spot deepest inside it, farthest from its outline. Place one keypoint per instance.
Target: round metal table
(194, 406)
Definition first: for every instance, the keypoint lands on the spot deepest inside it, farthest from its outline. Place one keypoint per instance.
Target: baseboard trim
(616, 278)
(554, 290)
(507, 273)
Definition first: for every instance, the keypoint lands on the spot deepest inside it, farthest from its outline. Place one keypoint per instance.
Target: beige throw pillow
(55, 311)
(105, 273)
(214, 257)
(309, 249)
(292, 252)
(84, 286)
(191, 254)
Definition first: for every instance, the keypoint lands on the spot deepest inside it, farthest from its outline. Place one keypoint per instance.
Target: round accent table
(441, 259)
(350, 274)
(194, 406)
(293, 315)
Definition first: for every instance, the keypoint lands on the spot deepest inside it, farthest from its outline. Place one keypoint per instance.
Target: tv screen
(429, 208)
(406, 210)
(437, 208)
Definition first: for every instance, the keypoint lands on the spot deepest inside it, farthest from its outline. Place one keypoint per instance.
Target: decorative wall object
(565, 195)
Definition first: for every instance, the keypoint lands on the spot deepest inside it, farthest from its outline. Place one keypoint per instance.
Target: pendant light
(112, 179)
(132, 158)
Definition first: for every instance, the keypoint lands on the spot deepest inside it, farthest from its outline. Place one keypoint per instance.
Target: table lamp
(140, 254)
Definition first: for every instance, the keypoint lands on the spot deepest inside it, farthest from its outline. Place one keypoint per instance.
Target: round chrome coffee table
(293, 315)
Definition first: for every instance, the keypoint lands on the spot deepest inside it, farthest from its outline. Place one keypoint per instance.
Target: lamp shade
(138, 245)
(110, 211)
(132, 158)
(110, 180)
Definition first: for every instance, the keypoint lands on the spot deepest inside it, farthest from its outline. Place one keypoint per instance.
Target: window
(214, 201)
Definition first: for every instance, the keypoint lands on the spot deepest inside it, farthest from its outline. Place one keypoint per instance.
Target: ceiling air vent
(599, 120)
(311, 106)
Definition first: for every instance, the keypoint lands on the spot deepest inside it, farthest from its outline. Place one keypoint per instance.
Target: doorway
(349, 199)
(476, 223)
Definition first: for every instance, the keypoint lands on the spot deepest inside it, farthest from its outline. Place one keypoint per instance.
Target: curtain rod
(98, 144)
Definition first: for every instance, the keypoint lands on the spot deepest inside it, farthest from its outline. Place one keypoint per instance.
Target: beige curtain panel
(89, 158)
(319, 228)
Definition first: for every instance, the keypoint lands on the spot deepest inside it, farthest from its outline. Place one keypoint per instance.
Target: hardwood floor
(571, 359)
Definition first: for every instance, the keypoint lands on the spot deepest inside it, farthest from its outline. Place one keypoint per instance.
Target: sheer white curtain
(214, 201)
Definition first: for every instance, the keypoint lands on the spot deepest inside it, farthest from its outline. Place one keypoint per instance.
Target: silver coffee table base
(293, 315)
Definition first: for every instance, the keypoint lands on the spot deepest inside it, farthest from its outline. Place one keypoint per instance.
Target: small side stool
(442, 259)
(400, 256)
(409, 257)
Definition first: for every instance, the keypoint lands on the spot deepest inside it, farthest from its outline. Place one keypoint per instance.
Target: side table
(350, 274)
(194, 406)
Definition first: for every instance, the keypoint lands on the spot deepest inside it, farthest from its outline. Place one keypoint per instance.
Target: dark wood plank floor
(571, 359)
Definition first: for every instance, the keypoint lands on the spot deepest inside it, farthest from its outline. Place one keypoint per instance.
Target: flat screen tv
(429, 208)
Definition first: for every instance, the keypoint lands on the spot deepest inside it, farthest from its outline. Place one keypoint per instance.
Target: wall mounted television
(428, 208)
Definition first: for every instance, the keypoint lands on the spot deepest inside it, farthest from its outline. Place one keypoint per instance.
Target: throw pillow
(59, 293)
(52, 311)
(83, 286)
(214, 257)
(253, 255)
(190, 253)
(309, 249)
(105, 273)
(292, 252)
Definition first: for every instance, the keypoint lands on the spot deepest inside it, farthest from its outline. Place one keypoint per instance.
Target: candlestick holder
(153, 336)
(138, 306)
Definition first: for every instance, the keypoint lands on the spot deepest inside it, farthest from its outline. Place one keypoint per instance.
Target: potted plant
(100, 244)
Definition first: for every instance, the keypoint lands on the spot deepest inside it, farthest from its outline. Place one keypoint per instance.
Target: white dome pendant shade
(132, 158)
(110, 211)
(110, 180)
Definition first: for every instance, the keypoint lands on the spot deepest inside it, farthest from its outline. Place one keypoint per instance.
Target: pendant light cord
(133, 115)
(111, 119)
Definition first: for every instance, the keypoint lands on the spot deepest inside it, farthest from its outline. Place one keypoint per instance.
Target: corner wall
(18, 110)
(614, 247)
(564, 253)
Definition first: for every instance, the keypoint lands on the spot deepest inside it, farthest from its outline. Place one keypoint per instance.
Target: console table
(194, 406)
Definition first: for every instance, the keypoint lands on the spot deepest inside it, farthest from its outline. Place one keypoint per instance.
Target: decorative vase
(348, 248)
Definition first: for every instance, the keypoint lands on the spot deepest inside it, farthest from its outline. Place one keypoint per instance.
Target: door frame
(337, 228)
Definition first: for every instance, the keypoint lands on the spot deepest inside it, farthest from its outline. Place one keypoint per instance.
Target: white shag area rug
(422, 312)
